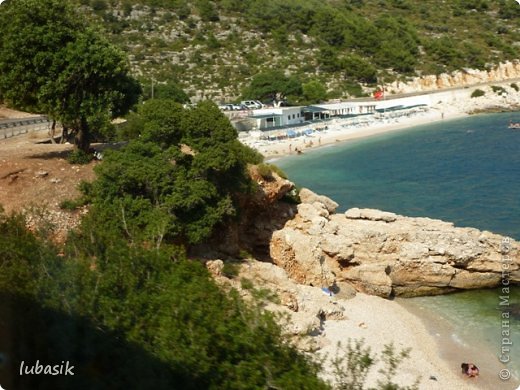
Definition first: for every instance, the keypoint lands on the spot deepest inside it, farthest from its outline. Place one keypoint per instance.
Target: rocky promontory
(386, 254)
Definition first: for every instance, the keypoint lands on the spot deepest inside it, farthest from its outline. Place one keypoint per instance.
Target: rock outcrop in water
(387, 254)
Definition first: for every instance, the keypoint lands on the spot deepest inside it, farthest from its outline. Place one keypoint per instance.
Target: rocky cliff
(467, 77)
(386, 254)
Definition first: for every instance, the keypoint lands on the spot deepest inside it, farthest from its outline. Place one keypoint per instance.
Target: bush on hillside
(131, 317)
(477, 93)
(178, 181)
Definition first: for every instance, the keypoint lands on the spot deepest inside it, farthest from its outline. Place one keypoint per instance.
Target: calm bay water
(465, 171)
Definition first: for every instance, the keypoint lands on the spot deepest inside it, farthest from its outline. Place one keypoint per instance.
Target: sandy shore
(443, 106)
(320, 322)
(336, 133)
(453, 350)
(380, 322)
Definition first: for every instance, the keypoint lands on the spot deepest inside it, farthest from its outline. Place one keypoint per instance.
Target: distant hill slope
(213, 48)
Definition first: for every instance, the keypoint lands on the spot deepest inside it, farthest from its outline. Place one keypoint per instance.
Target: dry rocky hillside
(37, 177)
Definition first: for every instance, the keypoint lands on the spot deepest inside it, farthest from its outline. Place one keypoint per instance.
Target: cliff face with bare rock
(386, 254)
(467, 77)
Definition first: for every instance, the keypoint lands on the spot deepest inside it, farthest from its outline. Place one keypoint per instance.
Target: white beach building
(276, 117)
(328, 110)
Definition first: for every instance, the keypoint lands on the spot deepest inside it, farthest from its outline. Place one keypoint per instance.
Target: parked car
(252, 104)
(239, 107)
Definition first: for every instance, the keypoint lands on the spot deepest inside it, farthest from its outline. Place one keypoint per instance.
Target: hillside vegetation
(214, 48)
(121, 301)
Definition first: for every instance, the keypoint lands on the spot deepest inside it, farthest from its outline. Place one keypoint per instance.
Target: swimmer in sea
(469, 369)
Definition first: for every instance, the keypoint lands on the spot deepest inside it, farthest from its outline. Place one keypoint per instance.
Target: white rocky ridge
(463, 78)
(386, 254)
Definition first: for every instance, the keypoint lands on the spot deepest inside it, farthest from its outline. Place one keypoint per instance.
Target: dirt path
(37, 177)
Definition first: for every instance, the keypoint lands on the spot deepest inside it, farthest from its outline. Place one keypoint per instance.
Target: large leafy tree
(273, 85)
(314, 92)
(178, 181)
(53, 62)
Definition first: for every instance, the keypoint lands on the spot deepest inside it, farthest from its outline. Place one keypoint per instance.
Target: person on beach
(469, 369)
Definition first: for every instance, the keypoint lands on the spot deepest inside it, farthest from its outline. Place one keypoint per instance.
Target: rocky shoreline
(364, 257)
(388, 255)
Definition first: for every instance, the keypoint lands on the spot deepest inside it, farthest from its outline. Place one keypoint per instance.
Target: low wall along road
(13, 127)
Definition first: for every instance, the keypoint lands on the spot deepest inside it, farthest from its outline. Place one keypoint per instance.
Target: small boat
(514, 125)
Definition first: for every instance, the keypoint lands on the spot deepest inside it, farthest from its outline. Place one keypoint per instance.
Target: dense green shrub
(498, 89)
(73, 204)
(179, 180)
(78, 156)
(131, 317)
(477, 93)
(266, 171)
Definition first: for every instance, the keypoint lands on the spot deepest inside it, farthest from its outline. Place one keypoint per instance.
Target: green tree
(52, 62)
(398, 48)
(445, 51)
(273, 85)
(314, 92)
(357, 68)
(207, 10)
(179, 181)
(172, 91)
(161, 120)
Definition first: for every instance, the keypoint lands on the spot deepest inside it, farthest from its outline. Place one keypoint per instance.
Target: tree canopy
(178, 180)
(53, 62)
(314, 92)
(273, 85)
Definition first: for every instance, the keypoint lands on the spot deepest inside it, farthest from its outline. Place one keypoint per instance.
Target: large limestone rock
(300, 309)
(386, 254)
(309, 197)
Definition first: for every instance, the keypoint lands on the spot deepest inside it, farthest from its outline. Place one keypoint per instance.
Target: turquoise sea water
(465, 171)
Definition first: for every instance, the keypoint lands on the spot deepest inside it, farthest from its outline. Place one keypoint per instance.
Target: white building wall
(289, 115)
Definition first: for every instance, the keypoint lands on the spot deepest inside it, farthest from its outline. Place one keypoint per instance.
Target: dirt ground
(36, 177)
